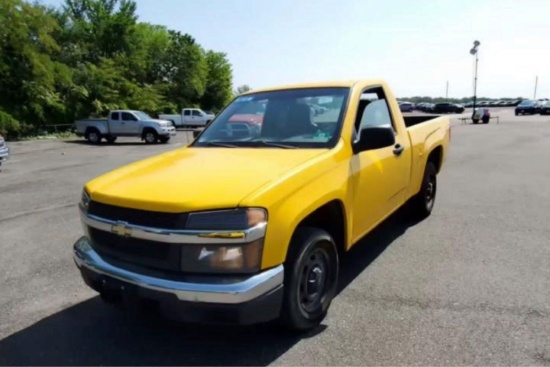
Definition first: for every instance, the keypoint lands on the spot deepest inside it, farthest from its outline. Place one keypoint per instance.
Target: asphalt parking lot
(468, 286)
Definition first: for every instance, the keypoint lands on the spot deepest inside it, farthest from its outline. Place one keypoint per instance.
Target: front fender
(292, 199)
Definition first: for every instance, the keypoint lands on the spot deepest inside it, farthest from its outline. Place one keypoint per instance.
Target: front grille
(150, 254)
(139, 217)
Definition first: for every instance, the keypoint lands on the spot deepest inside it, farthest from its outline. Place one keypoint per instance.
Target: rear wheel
(422, 203)
(111, 139)
(311, 279)
(93, 136)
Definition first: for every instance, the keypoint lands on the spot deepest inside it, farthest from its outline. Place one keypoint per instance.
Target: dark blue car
(527, 107)
(406, 107)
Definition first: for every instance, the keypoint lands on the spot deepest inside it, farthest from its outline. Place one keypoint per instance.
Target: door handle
(398, 149)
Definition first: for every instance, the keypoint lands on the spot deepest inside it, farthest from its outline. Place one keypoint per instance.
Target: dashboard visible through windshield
(292, 118)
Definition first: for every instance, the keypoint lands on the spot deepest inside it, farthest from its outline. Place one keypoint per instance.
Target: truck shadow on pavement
(106, 144)
(91, 333)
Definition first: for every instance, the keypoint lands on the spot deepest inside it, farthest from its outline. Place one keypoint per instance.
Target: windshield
(527, 103)
(293, 118)
(142, 115)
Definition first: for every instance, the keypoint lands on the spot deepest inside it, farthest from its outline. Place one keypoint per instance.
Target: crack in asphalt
(36, 211)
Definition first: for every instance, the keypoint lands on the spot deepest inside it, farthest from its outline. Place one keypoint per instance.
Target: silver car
(4, 150)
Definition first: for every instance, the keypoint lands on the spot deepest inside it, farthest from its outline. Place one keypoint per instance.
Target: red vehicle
(249, 120)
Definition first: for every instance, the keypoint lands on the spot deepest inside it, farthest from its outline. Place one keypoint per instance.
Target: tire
(111, 297)
(422, 203)
(93, 136)
(111, 139)
(164, 139)
(150, 136)
(312, 259)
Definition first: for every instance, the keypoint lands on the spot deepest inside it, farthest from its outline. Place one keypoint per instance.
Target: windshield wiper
(218, 144)
(272, 144)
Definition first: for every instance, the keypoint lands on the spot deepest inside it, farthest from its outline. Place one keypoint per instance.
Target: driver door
(380, 176)
(130, 124)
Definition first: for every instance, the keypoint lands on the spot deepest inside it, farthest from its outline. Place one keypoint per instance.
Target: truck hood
(195, 178)
(163, 123)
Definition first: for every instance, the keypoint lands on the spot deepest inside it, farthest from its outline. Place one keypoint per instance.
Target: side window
(186, 113)
(373, 110)
(196, 113)
(115, 116)
(128, 117)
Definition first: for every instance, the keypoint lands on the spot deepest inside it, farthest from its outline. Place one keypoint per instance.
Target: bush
(9, 126)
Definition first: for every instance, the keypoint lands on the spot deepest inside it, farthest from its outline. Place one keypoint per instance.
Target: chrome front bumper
(170, 131)
(4, 153)
(216, 290)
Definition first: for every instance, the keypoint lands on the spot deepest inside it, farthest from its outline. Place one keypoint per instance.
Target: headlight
(237, 258)
(243, 257)
(84, 201)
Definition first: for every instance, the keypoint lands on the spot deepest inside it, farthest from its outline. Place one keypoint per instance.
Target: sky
(416, 46)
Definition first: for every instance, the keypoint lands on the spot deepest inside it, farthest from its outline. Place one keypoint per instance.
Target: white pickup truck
(125, 123)
(190, 117)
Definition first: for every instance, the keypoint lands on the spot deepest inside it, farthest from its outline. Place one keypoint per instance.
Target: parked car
(4, 150)
(446, 107)
(527, 107)
(406, 107)
(125, 123)
(219, 232)
(189, 117)
(429, 107)
(545, 108)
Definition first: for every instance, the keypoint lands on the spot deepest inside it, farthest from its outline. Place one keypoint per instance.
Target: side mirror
(374, 137)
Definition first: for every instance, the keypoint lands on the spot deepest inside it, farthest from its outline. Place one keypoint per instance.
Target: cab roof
(326, 84)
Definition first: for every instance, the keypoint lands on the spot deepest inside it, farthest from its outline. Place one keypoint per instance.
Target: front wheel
(164, 139)
(311, 279)
(150, 137)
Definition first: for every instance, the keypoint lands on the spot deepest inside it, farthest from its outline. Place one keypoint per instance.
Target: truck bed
(418, 119)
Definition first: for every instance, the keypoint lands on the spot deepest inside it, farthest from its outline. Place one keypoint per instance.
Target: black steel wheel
(423, 203)
(311, 279)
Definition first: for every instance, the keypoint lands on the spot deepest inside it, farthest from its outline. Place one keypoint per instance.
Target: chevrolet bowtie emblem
(121, 228)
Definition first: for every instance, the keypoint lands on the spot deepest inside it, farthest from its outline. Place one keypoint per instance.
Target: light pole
(474, 51)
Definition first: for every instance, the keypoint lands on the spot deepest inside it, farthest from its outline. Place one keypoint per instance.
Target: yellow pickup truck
(248, 223)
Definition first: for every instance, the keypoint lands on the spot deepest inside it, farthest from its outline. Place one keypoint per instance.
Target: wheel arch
(436, 157)
(330, 217)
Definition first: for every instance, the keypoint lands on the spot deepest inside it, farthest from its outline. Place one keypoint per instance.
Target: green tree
(242, 89)
(185, 70)
(30, 78)
(219, 81)
(86, 57)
